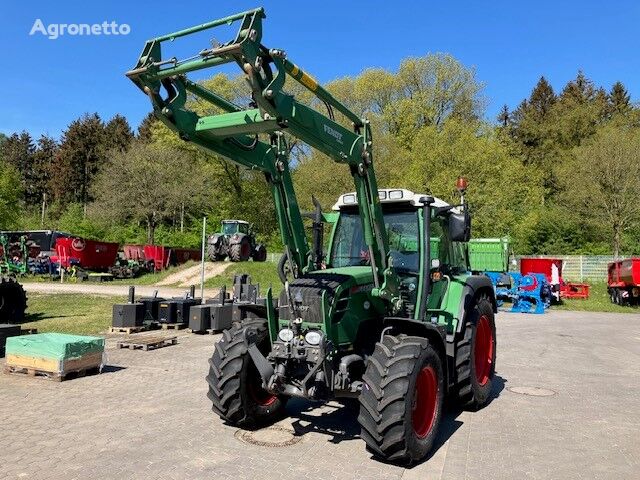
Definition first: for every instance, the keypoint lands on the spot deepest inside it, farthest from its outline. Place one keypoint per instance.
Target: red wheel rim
(246, 249)
(483, 350)
(425, 402)
(254, 388)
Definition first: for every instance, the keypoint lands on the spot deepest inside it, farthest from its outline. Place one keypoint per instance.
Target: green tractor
(390, 315)
(236, 241)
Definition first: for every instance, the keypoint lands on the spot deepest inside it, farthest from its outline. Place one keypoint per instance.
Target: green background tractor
(236, 241)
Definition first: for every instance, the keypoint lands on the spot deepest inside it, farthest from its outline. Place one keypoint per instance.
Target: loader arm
(238, 134)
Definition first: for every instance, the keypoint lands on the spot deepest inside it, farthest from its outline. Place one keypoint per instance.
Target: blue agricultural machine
(527, 293)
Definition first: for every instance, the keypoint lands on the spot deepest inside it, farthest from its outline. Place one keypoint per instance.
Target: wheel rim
(425, 401)
(483, 350)
(246, 249)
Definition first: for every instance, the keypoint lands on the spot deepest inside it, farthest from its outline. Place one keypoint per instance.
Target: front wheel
(235, 387)
(401, 399)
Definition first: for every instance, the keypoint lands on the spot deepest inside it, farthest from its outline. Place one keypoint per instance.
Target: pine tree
(580, 90)
(118, 134)
(504, 116)
(144, 129)
(619, 99)
(542, 98)
(82, 152)
(43, 160)
(17, 151)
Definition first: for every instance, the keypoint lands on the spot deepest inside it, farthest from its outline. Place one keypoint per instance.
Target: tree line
(558, 173)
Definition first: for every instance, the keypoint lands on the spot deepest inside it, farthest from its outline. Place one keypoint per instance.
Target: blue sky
(48, 83)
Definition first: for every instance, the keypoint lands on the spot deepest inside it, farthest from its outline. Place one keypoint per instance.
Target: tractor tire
(235, 387)
(214, 255)
(475, 357)
(260, 253)
(241, 251)
(401, 399)
(284, 269)
(13, 301)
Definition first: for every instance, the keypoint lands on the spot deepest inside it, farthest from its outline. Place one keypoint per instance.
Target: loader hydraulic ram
(391, 316)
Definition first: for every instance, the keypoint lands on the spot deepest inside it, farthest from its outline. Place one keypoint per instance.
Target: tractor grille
(311, 288)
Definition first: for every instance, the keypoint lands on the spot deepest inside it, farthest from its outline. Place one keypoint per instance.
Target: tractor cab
(230, 227)
(405, 225)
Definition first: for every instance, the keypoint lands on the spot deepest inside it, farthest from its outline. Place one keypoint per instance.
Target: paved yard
(148, 417)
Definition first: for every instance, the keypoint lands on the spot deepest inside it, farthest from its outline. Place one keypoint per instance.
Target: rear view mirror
(460, 226)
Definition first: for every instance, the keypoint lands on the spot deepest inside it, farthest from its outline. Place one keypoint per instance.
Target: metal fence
(579, 268)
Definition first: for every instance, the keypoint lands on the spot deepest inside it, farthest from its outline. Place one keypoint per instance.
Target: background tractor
(237, 241)
(389, 314)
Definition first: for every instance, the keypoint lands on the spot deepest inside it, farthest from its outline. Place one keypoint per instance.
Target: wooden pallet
(49, 368)
(28, 331)
(173, 326)
(127, 330)
(208, 331)
(148, 343)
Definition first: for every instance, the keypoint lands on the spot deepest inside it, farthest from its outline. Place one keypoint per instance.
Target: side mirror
(460, 226)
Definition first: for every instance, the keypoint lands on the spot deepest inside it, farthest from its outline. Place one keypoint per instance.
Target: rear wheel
(260, 253)
(235, 387)
(240, 251)
(401, 399)
(476, 356)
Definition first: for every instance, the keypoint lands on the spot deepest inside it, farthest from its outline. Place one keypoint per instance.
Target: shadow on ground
(340, 422)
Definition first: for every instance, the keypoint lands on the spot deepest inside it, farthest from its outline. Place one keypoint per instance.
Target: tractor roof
(389, 195)
(235, 221)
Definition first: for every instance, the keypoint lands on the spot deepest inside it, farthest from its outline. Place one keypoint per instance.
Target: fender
(474, 286)
(236, 238)
(435, 333)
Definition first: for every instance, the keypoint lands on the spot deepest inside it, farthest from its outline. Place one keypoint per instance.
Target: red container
(134, 252)
(160, 255)
(183, 255)
(624, 273)
(545, 266)
(90, 254)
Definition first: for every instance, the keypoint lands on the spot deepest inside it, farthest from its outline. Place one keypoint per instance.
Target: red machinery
(163, 257)
(88, 254)
(624, 281)
(552, 269)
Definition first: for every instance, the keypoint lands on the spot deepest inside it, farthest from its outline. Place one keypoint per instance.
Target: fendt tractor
(236, 241)
(390, 315)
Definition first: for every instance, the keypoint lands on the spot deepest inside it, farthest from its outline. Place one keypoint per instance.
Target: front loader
(389, 315)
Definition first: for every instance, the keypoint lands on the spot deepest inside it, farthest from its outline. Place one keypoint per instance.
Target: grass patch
(598, 301)
(69, 313)
(263, 273)
(146, 279)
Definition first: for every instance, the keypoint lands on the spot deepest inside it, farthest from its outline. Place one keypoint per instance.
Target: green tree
(619, 99)
(18, 151)
(148, 185)
(10, 195)
(608, 167)
(117, 133)
(82, 152)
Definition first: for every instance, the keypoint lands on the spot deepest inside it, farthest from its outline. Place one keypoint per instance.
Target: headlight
(286, 335)
(313, 337)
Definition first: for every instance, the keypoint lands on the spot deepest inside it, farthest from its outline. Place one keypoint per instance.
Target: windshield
(349, 248)
(229, 228)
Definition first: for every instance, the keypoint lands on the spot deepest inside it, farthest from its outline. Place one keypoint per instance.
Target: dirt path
(120, 290)
(191, 276)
